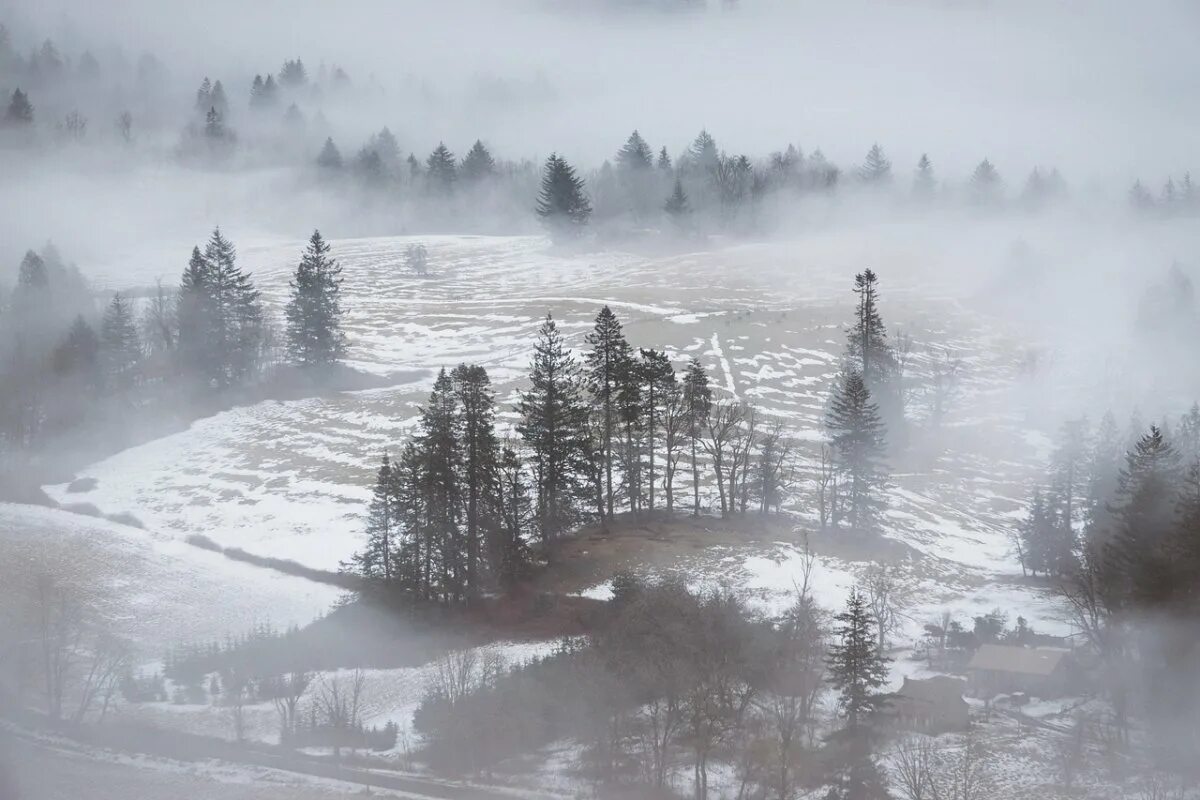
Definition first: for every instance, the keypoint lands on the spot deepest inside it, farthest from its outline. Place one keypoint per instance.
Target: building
(932, 705)
(1005, 669)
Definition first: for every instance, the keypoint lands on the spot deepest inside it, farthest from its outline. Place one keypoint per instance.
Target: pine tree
(20, 110)
(664, 160)
(293, 75)
(329, 158)
(478, 163)
(204, 97)
(441, 169)
(119, 343)
(256, 92)
(440, 443)
(924, 182)
(876, 169)
(385, 145)
(867, 346)
(218, 100)
(697, 398)
(607, 367)
(553, 419)
(986, 186)
(314, 313)
(375, 561)
(77, 357)
(1138, 557)
(703, 152)
(194, 315)
(635, 155)
(658, 385)
(857, 670)
(677, 206)
(857, 435)
(562, 203)
(480, 463)
(509, 550)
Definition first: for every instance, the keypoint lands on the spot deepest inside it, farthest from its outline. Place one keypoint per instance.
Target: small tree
(314, 312)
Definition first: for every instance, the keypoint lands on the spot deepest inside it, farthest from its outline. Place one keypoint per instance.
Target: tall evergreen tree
(441, 170)
(375, 560)
(876, 169)
(480, 465)
(635, 154)
(478, 163)
(314, 313)
(677, 206)
(697, 398)
(330, 158)
(562, 203)
(924, 182)
(194, 315)
(857, 435)
(509, 549)
(986, 186)
(440, 443)
(20, 111)
(857, 670)
(658, 385)
(553, 419)
(664, 160)
(120, 344)
(607, 367)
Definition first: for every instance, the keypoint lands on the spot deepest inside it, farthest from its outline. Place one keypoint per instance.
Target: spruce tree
(314, 313)
(509, 549)
(194, 315)
(876, 169)
(480, 463)
(866, 339)
(658, 386)
(441, 169)
(120, 344)
(440, 442)
(374, 561)
(607, 367)
(20, 111)
(986, 186)
(562, 203)
(553, 420)
(703, 153)
(330, 158)
(664, 160)
(924, 182)
(204, 97)
(697, 398)
(857, 435)
(77, 357)
(677, 206)
(635, 155)
(857, 670)
(478, 163)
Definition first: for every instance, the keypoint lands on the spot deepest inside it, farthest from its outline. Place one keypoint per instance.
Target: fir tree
(986, 185)
(218, 100)
(697, 398)
(664, 160)
(440, 443)
(924, 182)
(374, 561)
(658, 385)
(204, 97)
(329, 158)
(876, 169)
(703, 152)
(1139, 198)
(677, 206)
(635, 155)
(120, 344)
(314, 313)
(857, 670)
(480, 457)
(194, 314)
(867, 346)
(441, 169)
(857, 435)
(77, 357)
(293, 75)
(607, 368)
(478, 163)
(552, 424)
(20, 110)
(562, 203)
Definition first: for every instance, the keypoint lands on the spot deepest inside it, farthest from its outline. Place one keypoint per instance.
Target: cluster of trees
(674, 685)
(459, 508)
(1176, 198)
(63, 364)
(1117, 529)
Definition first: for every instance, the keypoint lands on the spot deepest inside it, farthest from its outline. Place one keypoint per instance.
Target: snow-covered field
(291, 478)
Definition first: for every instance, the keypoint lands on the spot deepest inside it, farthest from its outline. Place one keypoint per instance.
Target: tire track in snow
(720, 354)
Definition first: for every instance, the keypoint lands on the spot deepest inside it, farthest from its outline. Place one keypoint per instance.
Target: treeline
(458, 509)
(1116, 527)
(676, 687)
(63, 365)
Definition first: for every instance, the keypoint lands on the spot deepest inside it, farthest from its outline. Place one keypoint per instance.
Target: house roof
(938, 689)
(1020, 660)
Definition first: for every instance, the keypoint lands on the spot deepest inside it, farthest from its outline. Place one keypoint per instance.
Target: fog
(676, 398)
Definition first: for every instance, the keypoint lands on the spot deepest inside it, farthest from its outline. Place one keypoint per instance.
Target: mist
(605, 398)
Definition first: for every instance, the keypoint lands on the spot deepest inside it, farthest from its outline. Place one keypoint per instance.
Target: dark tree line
(459, 510)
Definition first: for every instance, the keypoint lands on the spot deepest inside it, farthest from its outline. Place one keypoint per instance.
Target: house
(932, 705)
(1005, 669)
